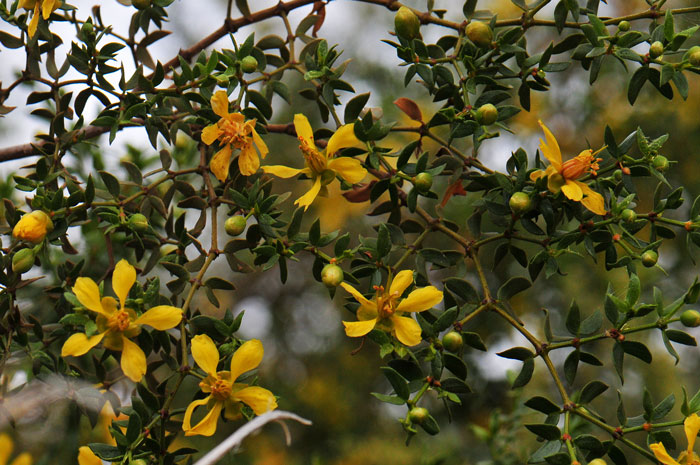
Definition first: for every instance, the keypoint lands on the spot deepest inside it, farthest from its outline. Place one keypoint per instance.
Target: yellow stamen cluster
(235, 133)
(314, 160)
(221, 389)
(120, 321)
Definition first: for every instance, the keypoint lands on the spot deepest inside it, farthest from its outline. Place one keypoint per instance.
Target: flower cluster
(42, 8)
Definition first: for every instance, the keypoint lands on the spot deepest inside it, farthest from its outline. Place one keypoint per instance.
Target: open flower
(43, 7)
(322, 167)
(563, 176)
(87, 457)
(687, 457)
(6, 447)
(224, 392)
(116, 323)
(33, 227)
(233, 132)
(383, 310)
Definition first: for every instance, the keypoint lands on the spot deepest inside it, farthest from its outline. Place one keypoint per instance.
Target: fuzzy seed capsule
(249, 64)
(656, 49)
(624, 26)
(479, 33)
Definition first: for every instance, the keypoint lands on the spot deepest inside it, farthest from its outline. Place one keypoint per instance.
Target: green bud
(249, 64)
(617, 175)
(694, 55)
(88, 30)
(628, 216)
(479, 33)
(452, 341)
(23, 261)
(407, 24)
(487, 114)
(649, 258)
(656, 49)
(138, 222)
(418, 415)
(235, 225)
(141, 4)
(690, 318)
(332, 275)
(598, 461)
(519, 202)
(423, 181)
(138, 462)
(660, 163)
(624, 26)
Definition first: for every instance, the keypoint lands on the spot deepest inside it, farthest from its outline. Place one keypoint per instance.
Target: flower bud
(656, 49)
(235, 225)
(617, 175)
(694, 55)
(660, 163)
(690, 318)
(249, 64)
(141, 4)
(23, 261)
(597, 461)
(88, 30)
(649, 258)
(519, 202)
(624, 26)
(479, 33)
(628, 216)
(487, 114)
(418, 415)
(407, 24)
(33, 227)
(138, 222)
(423, 181)
(332, 275)
(452, 341)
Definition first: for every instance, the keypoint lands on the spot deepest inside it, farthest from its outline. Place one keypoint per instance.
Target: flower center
(235, 133)
(583, 163)
(386, 304)
(221, 389)
(314, 160)
(119, 321)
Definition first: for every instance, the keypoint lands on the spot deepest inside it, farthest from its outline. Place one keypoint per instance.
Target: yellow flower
(232, 131)
(46, 7)
(563, 176)
(382, 311)
(117, 323)
(687, 457)
(87, 457)
(322, 167)
(6, 447)
(33, 227)
(223, 391)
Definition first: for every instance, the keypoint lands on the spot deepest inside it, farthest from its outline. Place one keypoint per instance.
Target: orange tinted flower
(33, 227)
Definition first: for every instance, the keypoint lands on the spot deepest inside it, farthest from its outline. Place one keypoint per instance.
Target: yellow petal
(133, 360)
(359, 328)
(48, 6)
(219, 103)
(535, 175)
(401, 281)
(219, 163)
(550, 149)
(161, 317)
(342, 138)
(28, 5)
(260, 144)
(31, 30)
(367, 312)
(207, 426)
(187, 419)
(6, 447)
(661, 455)
(358, 296)
(205, 353)
(303, 129)
(259, 399)
(282, 171)
(691, 426)
(420, 299)
(308, 198)
(247, 357)
(123, 278)
(79, 344)
(88, 295)
(407, 330)
(210, 134)
(22, 459)
(572, 191)
(248, 162)
(592, 200)
(87, 457)
(348, 168)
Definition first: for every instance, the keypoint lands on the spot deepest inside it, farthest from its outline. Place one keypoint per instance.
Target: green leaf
(592, 390)
(512, 287)
(446, 319)
(681, 337)
(397, 381)
(637, 349)
(634, 289)
(517, 353)
(571, 366)
(389, 399)
(383, 242)
(549, 432)
(456, 365)
(542, 404)
(354, 107)
(636, 82)
(525, 374)
(573, 319)
(462, 289)
(111, 183)
(106, 452)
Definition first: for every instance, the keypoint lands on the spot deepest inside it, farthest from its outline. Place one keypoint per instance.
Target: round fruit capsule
(452, 341)
(418, 415)
(141, 4)
(660, 163)
(407, 24)
(649, 258)
(249, 64)
(479, 33)
(690, 318)
(656, 49)
(628, 215)
(332, 275)
(487, 114)
(423, 181)
(519, 202)
(624, 26)
(138, 222)
(235, 225)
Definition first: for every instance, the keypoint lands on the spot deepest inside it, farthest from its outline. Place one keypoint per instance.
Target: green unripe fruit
(141, 4)
(660, 163)
(649, 258)
(138, 222)
(519, 202)
(479, 33)
(423, 181)
(249, 64)
(23, 261)
(332, 275)
(418, 415)
(628, 216)
(690, 318)
(598, 461)
(452, 341)
(487, 114)
(138, 462)
(235, 225)
(694, 55)
(617, 175)
(624, 26)
(407, 24)
(88, 30)
(656, 49)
